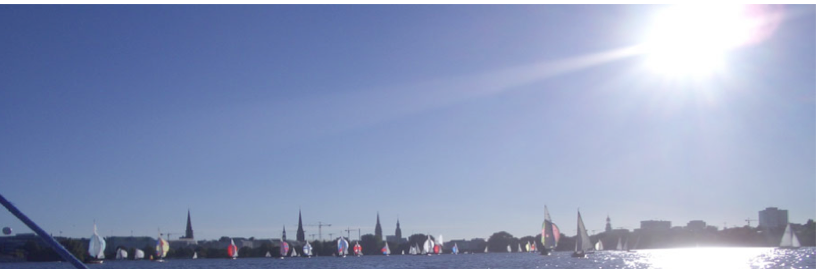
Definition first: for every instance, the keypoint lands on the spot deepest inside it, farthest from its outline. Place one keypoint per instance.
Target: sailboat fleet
(549, 238)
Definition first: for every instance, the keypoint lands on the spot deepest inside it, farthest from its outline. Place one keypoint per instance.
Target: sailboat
(789, 239)
(455, 249)
(284, 249)
(519, 247)
(486, 249)
(357, 249)
(122, 254)
(293, 252)
(96, 246)
(342, 247)
(428, 246)
(438, 246)
(195, 256)
(139, 254)
(386, 250)
(533, 246)
(232, 250)
(268, 254)
(583, 243)
(527, 247)
(598, 245)
(619, 245)
(307, 249)
(161, 249)
(550, 233)
(509, 248)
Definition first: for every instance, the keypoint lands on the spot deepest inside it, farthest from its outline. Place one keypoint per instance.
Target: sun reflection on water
(714, 258)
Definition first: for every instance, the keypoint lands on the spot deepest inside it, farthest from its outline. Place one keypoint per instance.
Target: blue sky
(459, 120)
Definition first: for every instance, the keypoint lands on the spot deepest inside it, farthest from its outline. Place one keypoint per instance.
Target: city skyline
(460, 120)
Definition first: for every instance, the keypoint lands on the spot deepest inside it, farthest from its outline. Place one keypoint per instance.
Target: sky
(460, 120)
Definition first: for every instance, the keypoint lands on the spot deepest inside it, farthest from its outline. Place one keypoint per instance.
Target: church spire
(378, 229)
(398, 232)
(300, 232)
(283, 232)
(189, 231)
(608, 224)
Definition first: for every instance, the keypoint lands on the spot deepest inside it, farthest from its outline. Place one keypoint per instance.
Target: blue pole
(45, 236)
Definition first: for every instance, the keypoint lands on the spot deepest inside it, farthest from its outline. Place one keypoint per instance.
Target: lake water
(693, 258)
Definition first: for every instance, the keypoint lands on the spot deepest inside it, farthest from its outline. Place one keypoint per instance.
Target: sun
(693, 40)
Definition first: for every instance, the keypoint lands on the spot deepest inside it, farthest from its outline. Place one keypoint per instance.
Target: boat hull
(578, 254)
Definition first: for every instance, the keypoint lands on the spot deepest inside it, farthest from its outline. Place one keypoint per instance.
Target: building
(189, 231)
(378, 229)
(696, 225)
(655, 225)
(608, 224)
(300, 231)
(397, 232)
(773, 218)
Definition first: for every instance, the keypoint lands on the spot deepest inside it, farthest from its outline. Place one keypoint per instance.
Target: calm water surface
(702, 258)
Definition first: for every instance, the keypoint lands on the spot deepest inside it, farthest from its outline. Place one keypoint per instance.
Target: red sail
(231, 250)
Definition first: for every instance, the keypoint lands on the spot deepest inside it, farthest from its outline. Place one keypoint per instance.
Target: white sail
(293, 252)
(122, 254)
(307, 249)
(519, 247)
(619, 244)
(387, 249)
(598, 245)
(268, 254)
(96, 245)
(486, 249)
(195, 256)
(583, 242)
(789, 239)
(509, 248)
(428, 246)
(413, 250)
(139, 254)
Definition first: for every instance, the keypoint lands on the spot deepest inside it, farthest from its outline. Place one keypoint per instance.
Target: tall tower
(608, 224)
(189, 231)
(283, 232)
(398, 232)
(300, 232)
(378, 229)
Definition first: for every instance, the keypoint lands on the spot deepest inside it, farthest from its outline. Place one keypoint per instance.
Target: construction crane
(320, 226)
(749, 221)
(349, 230)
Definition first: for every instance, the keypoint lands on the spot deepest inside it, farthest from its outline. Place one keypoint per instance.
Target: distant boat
(527, 247)
(438, 246)
(386, 250)
(96, 246)
(233, 252)
(268, 254)
(307, 249)
(519, 247)
(161, 249)
(139, 254)
(284, 248)
(789, 239)
(122, 254)
(414, 250)
(455, 249)
(509, 248)
(428, 246)
(486, 249)
(550, 233)
(583, 243)
(342, 247)
(533, 246)
(619, 246)
(402, 252)
(357, 249)
(293, 252)
(195, 256)
(598, 245)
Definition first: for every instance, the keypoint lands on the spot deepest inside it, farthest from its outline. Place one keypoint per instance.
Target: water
(702, 258)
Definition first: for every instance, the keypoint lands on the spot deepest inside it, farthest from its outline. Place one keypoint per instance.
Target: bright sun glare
(693, 40)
